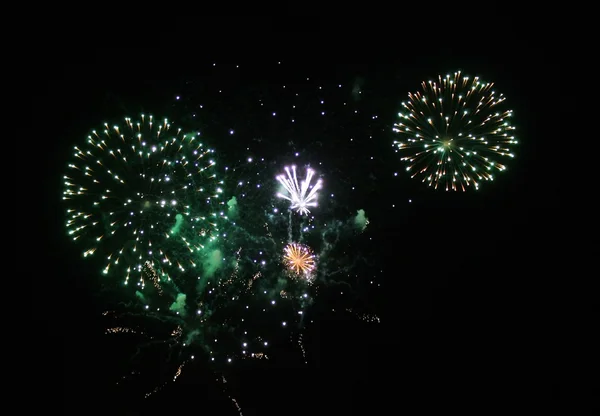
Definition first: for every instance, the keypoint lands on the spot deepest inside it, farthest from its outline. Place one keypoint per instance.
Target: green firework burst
(142, 195)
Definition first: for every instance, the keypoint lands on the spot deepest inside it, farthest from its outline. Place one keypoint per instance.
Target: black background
(459, 331)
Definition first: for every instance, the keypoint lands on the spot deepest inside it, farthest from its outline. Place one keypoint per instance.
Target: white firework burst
(301, 195)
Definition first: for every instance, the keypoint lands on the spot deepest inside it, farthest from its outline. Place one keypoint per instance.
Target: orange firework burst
(299, 258)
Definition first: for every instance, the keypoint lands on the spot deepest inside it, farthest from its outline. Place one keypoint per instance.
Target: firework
(301, 195)
(242, 298)
(299, 259)
(455, 131)
(142, 194)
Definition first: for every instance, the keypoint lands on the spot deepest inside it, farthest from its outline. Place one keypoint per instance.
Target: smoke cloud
(178, 222)
(212, 262)
(232, 209)
(179, 304)
(361, 221)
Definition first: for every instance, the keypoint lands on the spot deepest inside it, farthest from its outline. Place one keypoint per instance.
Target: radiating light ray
(366, 317)
(173, 380)
(455, 132)
(301, 345)
(227, 392)
(301, 195)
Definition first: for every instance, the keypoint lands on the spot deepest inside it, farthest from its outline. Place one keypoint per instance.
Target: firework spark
(454, 131)
(301, 195)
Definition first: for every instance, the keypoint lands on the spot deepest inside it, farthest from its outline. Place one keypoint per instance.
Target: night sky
(457, 276)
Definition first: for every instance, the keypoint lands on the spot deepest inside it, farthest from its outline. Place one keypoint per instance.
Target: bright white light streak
(301, 195)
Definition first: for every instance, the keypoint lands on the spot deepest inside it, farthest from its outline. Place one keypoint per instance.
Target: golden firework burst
(299, 258)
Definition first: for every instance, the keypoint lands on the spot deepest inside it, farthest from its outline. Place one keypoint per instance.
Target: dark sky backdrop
(463, 274)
